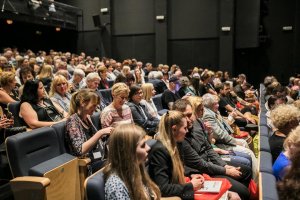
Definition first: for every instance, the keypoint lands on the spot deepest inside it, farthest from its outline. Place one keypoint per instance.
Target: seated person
(170, 95)
(8, 94)
(76, 82)
(284, 118)
(81, 134)
(117, 112)
(92, 82)
(139, 112)
(36, 110)
(291, 147)
(204, 130)
(226, 106)
(26, 73)
(59, 92)
(148, 93)
(165, 166)
(222, 131)
(199, 156)
(288, 188)
(128, 180)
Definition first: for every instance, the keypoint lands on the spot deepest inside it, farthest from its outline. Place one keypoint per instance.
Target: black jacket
(198, 154)
(160, 171)
(143, 119)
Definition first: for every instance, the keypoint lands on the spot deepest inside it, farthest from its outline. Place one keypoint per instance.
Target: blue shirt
(280, 165)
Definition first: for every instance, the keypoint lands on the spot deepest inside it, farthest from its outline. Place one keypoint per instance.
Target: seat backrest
(106, 94)
(96, 120)
(157, 101)
(14, 108)
(28, 149)
(60, 130)
(94, 186)
(110, 83)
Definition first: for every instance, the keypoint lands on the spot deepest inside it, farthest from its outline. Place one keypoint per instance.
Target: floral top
(76, 135)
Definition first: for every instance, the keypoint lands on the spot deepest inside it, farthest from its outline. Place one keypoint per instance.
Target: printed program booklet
(211, 187)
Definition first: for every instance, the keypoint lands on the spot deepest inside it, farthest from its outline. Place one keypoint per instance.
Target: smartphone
(9, 115)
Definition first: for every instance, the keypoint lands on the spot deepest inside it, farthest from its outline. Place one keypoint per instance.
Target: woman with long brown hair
(125, 174)
(165, 165)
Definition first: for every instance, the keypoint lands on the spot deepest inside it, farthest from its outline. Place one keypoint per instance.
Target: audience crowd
(206, 123)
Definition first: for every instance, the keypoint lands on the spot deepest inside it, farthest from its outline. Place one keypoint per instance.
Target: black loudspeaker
(96, 19)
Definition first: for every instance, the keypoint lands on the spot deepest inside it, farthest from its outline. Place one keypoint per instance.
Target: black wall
(191, 35)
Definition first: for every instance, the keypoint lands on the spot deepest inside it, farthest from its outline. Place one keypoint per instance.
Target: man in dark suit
(155, 77)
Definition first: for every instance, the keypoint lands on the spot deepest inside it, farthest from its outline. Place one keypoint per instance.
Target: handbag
(13, 131)
(52, 113)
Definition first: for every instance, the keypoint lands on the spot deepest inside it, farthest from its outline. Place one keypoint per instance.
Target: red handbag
(253, 189)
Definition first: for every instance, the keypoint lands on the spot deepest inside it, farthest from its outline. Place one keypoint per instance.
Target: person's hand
(208, 126)
(105, 131)
(221, 151)
(233, 196)
(233, 172)
(5, 123)
(197, 182)
(199, 176)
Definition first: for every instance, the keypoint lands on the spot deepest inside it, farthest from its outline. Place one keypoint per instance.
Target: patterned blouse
(76, 135)
(110, 116)
(115, 189)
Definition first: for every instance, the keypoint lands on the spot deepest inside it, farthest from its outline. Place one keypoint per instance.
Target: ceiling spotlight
(52, 8)
(9, 21)
(57, 29)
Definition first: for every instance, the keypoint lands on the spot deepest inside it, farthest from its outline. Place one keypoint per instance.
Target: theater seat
(94, 186)
(39, 167)
(96, 120)
(14, 108)
(158, 104)
(264, 144)
(60, 130)
(267, 185)
(265, 162)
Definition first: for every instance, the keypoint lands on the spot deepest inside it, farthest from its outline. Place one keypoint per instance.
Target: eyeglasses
(123, 98)
(139, 93)
(61, 84)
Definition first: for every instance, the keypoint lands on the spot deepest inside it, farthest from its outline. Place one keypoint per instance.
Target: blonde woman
(59, 92)
(129, 179)
(284, 118)
(148, 93)
(46, 76)
(117, 112)
(165, 166)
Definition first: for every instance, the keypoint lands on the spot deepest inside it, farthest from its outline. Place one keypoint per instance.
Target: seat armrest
(27, 187)
(31, 182)
(82, 162)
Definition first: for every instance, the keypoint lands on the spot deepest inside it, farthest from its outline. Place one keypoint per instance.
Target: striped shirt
(111, 117)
